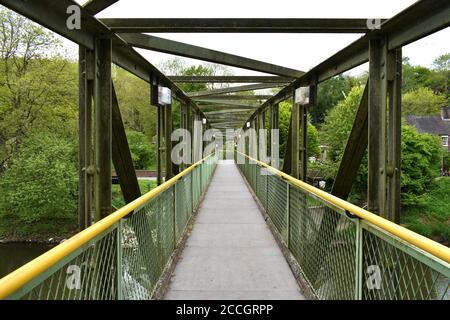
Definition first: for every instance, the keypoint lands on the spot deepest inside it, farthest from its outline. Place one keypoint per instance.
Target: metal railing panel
(122, 256)
(345, 252)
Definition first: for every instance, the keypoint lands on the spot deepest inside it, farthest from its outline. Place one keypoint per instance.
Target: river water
(14, 255)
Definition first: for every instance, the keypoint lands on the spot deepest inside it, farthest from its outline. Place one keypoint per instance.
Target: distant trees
(422, 101)
(421, 153)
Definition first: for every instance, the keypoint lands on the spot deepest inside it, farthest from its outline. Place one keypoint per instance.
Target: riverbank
(42, 232)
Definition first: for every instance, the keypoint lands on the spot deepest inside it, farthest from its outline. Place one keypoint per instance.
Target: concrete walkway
(231, 253)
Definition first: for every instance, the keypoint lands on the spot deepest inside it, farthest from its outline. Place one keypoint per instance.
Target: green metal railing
(341, 255)
(122, 256)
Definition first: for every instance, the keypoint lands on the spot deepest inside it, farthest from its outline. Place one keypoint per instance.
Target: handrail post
(174, 194)
(288, 216)
(119, 260)
(358, 260)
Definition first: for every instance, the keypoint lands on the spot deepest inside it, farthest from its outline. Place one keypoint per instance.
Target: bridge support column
(86, 165)
(168, 142)
(159, 147)
(184, 126)
(261, 137)
(393, 169)
(384, 159)
(274, 136)
(103, 128)
(295, 138)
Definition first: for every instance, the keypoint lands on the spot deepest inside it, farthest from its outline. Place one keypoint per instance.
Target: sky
(297, 51)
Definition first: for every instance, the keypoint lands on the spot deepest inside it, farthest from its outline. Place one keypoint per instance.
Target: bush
(142, 151)
(41, 182)
(421, 159)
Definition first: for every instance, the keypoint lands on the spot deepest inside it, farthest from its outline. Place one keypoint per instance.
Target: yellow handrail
(424, 243)
(18, 278)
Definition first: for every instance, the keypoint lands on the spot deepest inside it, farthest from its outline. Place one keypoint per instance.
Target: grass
(117, 198)
(431, 217)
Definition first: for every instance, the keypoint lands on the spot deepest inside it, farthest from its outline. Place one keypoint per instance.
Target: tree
(37, 85)
(441, 75)
(414, 77)
(421, 153)
(421, 159)
(142, 152)
(422, 101)
(330, 93)
(41, 181)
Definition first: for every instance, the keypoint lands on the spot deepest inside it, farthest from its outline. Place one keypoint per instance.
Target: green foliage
(133, 95)
(41, 182)
(330, 93)
(422, 101)
(431, 216)
(117, 196)
(339, 122)
(421, 158)
(38, 88)
(142, 152)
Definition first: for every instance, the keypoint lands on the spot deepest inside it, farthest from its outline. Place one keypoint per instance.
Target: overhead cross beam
(228, 111)
(230, 79)
(153, 43)
(417, 21)
(219, 106)
(248, 87)
(96, 6)
(233, 97)
(242, 25)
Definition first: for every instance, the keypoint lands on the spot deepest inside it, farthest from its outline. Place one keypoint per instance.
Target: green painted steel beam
(237, 25)
(153, 43)
(248, 87)
(233, 97)
(226, 112)
(96, 6)
(230, 79)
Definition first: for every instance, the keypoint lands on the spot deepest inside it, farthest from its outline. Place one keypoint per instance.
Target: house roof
(429, 124)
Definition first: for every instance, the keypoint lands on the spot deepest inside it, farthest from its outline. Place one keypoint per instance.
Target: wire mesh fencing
(126, 260)
(340, 255)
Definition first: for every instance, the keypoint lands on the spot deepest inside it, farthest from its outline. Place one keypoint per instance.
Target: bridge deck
(231, 253)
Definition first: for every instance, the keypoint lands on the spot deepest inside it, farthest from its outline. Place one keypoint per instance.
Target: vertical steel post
(119, 260)
(304, 142)
(358, 260)
(377, 126)
(103, 128)
(275, 138)
(393, 169)
(86, 84)
(288, 216)
(159, 124)
(295, 152)
(184, 126)
(168, 141)
(82, 138)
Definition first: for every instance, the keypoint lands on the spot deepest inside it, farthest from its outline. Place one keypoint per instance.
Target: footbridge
(238, 221)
